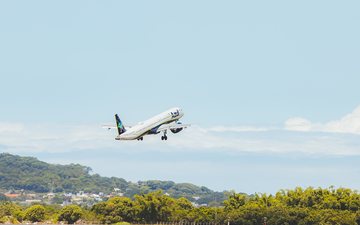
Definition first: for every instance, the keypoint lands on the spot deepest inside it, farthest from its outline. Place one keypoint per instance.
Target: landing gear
(140, 139)
(164, 137)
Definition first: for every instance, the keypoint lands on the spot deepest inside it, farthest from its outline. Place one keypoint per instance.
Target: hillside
(30, 174)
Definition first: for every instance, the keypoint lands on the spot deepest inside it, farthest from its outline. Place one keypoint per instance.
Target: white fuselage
(150, 125)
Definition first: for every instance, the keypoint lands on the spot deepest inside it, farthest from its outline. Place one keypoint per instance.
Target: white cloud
(16, 137)
(52, 137)
(348, 124)
(238, 129)
(269, 142)
(298, 124)
(10, 127)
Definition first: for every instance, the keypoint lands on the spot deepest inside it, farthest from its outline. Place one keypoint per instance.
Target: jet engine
(176, 130)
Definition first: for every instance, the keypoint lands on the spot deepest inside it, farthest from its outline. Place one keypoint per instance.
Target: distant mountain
(30, 174)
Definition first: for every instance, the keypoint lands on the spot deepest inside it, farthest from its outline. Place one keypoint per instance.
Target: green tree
(298, 206)
(35, 213)
(70, 214)
(8, 209)
(207, 215)
(155, 207)
(235, 201)
(357, 217)
(182, 209)
(249, 214)
(117, 209)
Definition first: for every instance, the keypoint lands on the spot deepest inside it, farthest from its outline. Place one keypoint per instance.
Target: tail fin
(119, 125)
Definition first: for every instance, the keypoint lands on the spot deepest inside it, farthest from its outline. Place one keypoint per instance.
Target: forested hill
(30, 174)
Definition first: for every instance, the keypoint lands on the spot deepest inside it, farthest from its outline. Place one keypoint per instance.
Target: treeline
(11, 213)
(294, 207)
(30, 174)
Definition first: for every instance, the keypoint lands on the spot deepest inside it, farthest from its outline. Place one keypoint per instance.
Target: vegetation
(150, 202)
(70, 214)
(35, 213)
(293, 207)
(10, 213)
(30, 174)
(309, 206)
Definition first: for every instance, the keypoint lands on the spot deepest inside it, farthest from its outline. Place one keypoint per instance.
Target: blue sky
(271, 88)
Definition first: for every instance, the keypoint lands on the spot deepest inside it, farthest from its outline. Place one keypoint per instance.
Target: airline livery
(168, 120)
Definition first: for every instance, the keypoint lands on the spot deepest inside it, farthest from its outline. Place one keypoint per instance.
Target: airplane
(168, 120)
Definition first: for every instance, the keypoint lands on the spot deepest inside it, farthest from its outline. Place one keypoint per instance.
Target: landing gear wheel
(164, 137)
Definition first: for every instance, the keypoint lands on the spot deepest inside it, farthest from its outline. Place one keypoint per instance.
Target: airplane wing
(172, 126)
(109, 127)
